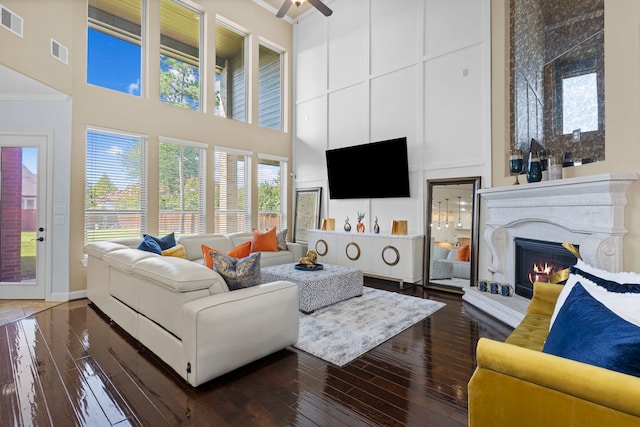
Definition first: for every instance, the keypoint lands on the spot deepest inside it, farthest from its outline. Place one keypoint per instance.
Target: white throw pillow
(606, 287)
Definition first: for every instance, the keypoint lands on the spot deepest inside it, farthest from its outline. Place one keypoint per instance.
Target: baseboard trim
(68, 296)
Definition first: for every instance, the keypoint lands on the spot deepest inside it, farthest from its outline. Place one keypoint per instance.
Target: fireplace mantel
(585, 211)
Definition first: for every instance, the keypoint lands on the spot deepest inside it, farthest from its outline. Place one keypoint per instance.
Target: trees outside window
(272, 191)
(181, 182)
(180, 34)
(115, 185)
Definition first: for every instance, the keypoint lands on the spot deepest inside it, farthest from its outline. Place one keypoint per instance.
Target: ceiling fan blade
(321, 7)
(284, 8)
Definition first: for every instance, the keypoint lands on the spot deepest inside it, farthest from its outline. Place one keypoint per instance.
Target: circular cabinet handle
(394, 262)
(346, 250)
(324, 251)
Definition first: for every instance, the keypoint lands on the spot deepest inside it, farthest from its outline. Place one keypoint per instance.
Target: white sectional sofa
(184, 312)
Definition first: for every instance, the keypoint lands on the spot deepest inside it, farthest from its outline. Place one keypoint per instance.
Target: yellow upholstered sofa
(515, 384)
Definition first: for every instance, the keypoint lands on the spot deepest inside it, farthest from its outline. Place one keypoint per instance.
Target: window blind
(182, 181)
(272, 200)
(115, 185)
(232, 191)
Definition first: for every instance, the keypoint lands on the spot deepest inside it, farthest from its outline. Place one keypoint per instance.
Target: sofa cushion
(264, 241)
(240, 251)
(268, 259)
(100, 249)
(176, 251)
(238, 273)
(176, 273)
(126, 258)
(606, 285)
(192, 243)
(165, 242)
(463, 253)
(587, 331)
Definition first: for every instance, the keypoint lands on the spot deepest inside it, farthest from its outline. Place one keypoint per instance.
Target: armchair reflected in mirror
(451, 245)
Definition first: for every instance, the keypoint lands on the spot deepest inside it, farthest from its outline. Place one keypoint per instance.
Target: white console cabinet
(396, 257)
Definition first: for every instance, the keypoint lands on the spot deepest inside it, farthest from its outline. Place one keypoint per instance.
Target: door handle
(39, 239)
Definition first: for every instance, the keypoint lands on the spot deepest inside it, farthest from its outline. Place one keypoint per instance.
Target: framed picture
(307, 213)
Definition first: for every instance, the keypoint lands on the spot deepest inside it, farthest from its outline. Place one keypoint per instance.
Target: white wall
(378, 69)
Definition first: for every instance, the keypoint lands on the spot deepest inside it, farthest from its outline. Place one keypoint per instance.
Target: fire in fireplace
(536, 260)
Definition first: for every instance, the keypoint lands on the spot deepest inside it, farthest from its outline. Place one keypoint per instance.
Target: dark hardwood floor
(68, 366)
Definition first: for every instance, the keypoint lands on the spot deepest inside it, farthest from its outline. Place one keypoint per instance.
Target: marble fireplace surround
(586, 211)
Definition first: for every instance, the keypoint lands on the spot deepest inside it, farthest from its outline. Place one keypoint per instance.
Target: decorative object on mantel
(347, 226)
(360, 224)
(376, 227)
(534, 169)
(328, 224)
(399, 226)
(515, 164)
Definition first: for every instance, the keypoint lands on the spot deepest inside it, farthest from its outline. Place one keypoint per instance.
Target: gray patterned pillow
(238, 273)
(281, 237)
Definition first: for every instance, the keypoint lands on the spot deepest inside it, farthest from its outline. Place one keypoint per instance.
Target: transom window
(231, 82)
(270, 87)
(114, 45)
(180, 30)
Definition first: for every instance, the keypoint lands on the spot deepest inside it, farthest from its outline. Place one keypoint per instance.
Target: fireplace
(536, 261)
(588, 211)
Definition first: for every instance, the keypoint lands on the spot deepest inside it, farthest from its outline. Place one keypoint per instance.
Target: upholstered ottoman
(318, 288)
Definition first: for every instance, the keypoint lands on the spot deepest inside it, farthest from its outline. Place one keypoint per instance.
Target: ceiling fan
(315, 3)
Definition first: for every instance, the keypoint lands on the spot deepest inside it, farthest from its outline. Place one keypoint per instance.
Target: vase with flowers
(360, 224)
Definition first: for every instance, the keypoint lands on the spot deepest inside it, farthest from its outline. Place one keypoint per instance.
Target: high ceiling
(294, 11)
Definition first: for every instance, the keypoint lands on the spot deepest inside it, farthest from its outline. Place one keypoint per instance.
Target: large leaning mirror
(557, 79)
(451, 261)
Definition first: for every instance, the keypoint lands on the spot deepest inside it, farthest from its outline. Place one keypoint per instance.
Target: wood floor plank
(91, 372)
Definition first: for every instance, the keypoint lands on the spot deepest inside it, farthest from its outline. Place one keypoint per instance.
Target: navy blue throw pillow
(149, 244)
(587, 331)
(166, 242)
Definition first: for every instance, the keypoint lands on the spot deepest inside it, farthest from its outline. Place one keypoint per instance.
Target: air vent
(59, 51)
(10, 21)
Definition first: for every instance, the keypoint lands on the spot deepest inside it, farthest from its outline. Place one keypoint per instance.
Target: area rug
(343, 331)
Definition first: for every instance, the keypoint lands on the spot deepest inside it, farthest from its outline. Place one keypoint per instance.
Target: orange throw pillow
(240, 251)
(463, 253)
(266, 241)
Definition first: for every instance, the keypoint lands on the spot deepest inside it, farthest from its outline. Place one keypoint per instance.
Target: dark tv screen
(369, 171)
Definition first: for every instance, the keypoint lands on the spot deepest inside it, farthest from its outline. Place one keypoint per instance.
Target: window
(231, 81)
(114, 45)
(182, 187)
(580, 103)
(232, 191)
(180, 31)
(272, 193)
(115, 185)
(270, 88)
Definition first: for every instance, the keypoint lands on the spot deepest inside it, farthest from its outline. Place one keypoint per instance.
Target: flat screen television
(369, 171)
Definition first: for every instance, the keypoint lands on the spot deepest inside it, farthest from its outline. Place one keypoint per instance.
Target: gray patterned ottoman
(319, 288)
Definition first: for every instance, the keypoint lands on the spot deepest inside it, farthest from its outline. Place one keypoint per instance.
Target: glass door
(22, 216)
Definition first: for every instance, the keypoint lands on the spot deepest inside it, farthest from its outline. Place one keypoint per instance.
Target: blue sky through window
(113, 63)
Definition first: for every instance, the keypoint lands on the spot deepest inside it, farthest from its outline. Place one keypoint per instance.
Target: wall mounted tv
(369, 171)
